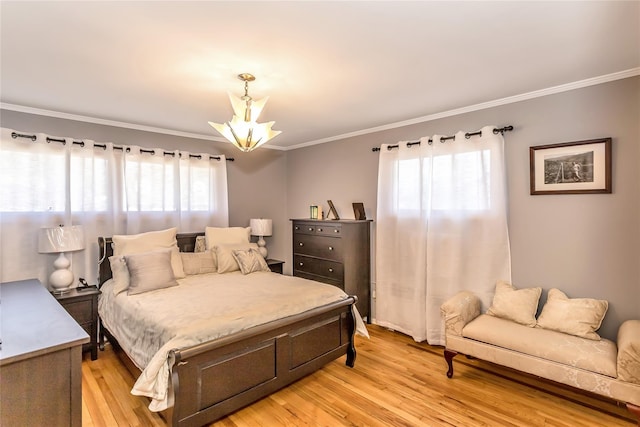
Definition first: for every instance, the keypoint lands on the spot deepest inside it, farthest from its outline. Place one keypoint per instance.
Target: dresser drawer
(318, 246)
(81, 311)
(328, 229)
(304, 228)
(331, 270)
(317, 228)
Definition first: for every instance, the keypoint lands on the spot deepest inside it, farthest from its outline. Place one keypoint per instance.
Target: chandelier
(243, 130)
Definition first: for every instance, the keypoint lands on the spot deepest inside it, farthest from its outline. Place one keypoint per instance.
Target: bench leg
(448, 356)
(635, 410)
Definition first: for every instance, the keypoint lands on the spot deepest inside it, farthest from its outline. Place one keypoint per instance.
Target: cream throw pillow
(518, 305)
(224, 253)
(150, 241)
(581, 317)
(250, 261)
(120, 274)
(198, 263)
(150, 271)
(215, 236)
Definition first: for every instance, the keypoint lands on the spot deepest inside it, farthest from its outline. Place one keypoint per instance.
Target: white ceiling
(329, 68)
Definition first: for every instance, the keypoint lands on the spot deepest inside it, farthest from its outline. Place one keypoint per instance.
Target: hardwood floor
(396, 382)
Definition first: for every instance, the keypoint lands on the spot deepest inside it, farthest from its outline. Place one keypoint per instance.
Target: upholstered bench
(593, 364)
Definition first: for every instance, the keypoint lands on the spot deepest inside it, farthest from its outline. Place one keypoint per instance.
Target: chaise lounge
(527, 344)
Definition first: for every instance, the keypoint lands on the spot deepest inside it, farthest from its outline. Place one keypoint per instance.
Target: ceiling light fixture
(243, 130)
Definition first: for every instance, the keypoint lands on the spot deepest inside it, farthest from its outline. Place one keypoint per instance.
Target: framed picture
(358, 211)
(582, 167)
(332, 210)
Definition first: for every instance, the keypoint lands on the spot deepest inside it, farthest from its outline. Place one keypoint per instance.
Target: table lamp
(60, 240)
(261, 228)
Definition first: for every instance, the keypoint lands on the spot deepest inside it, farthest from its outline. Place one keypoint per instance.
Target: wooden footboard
(215, 379)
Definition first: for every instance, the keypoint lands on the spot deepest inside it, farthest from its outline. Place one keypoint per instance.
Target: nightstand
(83, 307)
(275, 265)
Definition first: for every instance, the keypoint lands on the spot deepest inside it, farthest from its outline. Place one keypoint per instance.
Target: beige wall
(585, 245)
(256, 180)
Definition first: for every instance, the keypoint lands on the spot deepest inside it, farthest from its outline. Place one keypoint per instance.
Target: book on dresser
(336, 252)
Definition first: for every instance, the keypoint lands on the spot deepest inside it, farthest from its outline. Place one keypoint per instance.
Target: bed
(272, 351)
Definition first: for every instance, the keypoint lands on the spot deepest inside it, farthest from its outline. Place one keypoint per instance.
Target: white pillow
(518, 305)
(215, 236)
(226, 262)
(150, 271)
(581, 317)
(150, 241)
(120, 274)
(250, 260)
(144, 242)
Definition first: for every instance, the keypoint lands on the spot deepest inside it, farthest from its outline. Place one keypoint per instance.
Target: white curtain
(105, 188)
(441, 228)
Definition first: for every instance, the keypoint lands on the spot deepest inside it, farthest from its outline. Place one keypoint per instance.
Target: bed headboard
(186, 243)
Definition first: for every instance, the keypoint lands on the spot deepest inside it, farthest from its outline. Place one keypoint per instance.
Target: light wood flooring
(396, 382)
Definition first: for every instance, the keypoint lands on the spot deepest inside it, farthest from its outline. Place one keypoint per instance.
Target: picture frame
(332, 211)
(580, 167)
(358, 211)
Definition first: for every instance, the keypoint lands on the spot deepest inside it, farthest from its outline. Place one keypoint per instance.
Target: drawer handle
(300, 244)
(330, 248)
(301, 264)
(297, 228)
(331, 270)
(310, 228)
(335, 230)
(319, 229)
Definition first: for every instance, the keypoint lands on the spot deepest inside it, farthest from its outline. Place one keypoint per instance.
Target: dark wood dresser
(40, 358)
(335, 252)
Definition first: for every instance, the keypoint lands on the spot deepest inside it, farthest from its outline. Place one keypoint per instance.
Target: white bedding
(203, 307)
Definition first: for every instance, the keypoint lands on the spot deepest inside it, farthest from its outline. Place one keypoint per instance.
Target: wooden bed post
(351, 349)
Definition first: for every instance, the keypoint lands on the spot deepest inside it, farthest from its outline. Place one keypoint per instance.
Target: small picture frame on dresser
(358, 211)
(332, 211)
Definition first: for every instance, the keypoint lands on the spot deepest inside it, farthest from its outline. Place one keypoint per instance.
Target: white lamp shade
(60, 239)
(261, 227)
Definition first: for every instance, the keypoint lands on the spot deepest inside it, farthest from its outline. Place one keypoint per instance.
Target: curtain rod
(467, 135)
(15, 135)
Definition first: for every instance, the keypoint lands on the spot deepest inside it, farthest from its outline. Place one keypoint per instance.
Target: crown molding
(632, 72)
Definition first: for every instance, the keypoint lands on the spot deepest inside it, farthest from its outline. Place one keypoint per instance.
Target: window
(468, 191)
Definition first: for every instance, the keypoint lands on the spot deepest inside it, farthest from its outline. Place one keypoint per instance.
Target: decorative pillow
(215, 236)
(581, 317)
(250, 260)
(150, 241)
(224, 253)
(518, 305)
(200, 244)
(198, 263)
(150, 271)
(144, 242)
(120, 274)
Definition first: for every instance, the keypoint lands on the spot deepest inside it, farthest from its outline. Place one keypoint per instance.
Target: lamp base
(262, 248)
(62, 278)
